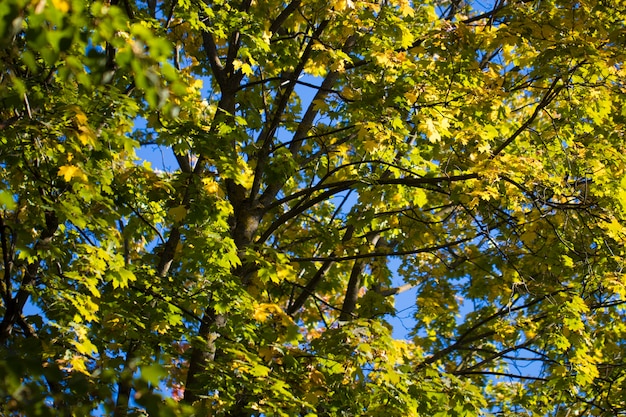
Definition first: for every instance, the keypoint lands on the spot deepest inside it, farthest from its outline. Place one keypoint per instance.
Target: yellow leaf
(614, 228)
(83, 344)
(70, 171)
(411, 97)
(370, 145)
(419, 197)
(86, 136)
(260, 315)
(431, 131)
(266, 36)
(195, 86)
(210, 186)
(484, 148)
(342, 5)
(381, 59)
(259, 370)
(621, 194)
(78, 364)
(81, 118)
(246, 69)
(282, 273)
(406, 9)
(567, 261)
(407, 37)
(263, 311)
(62, 5)
(122, 277)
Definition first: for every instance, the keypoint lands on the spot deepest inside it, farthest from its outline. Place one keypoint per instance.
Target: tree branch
(504, 374)
(385, 254)
(264, 140)
(283, 15)
(309, 288)
(15, 305)
(552, 92)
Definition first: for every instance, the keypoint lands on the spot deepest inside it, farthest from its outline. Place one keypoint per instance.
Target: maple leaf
(71, 171)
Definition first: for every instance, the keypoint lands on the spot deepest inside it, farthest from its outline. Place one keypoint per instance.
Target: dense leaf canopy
(320, 159)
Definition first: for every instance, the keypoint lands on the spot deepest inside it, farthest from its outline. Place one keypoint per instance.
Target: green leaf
(153, 374)
(259, 370)
(7, 200)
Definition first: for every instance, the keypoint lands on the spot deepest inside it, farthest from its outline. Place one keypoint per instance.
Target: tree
(329, 155)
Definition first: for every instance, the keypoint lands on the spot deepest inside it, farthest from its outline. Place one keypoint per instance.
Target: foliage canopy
(325, 157)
